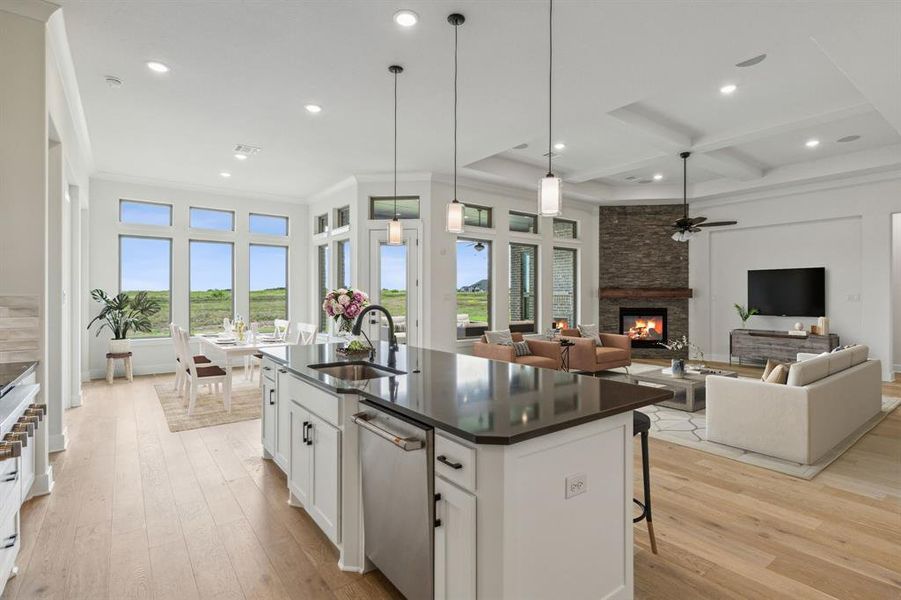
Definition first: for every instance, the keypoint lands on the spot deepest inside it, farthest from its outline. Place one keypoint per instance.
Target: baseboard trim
(58, 442)
(158, 369)
(43, 483)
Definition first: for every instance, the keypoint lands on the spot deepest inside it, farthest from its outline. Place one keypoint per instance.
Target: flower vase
(344, 327)
(678, 366)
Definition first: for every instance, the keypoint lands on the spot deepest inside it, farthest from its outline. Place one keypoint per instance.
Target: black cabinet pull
(11, 477)
(267, 368)
(453, 465)
(283, 370)
(271, 399)
(11, 541)
(310, 435)
(437, 500)
(305, 424)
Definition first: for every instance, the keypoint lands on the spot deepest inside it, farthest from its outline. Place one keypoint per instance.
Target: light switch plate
(576, 484)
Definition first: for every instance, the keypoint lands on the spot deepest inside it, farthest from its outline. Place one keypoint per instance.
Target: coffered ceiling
(635, 84)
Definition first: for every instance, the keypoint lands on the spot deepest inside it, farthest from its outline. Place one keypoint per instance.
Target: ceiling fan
(687, 227)
(477, 245)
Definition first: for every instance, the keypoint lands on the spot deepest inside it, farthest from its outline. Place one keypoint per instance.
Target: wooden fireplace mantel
(648, 293)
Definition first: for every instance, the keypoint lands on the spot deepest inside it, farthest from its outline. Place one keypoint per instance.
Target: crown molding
(39, 10)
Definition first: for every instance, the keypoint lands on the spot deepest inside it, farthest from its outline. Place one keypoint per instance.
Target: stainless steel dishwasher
(399, 499)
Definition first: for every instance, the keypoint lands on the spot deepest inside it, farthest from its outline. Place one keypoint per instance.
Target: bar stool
(641, 423)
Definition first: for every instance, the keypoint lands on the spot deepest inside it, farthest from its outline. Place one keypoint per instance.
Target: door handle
(305, 423)
(437, 500)
(271, 400)
(453, 465)
(310, 434)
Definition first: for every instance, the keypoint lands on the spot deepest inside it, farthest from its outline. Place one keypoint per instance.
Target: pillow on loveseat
(503, 337)
(591, 332)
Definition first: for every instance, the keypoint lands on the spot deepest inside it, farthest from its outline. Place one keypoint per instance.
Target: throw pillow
(522, 348)
(770, 365)
(504, 337)
(590, 331)
(779, 375)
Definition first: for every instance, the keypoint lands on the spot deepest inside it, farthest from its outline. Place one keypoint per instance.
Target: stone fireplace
(646, 327)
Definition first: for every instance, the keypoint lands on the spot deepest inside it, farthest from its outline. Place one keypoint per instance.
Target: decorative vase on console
(678, 367)
(744, 314)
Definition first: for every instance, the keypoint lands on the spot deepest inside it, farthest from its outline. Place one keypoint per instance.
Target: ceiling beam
(597, 172)
(664, 135)
(727, 165)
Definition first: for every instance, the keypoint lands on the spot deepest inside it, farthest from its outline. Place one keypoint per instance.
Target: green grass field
(474, 304)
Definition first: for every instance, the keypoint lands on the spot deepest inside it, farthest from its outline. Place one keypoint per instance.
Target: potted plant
(344, 305)
(122, 314)
(744, 314)
(679, 347)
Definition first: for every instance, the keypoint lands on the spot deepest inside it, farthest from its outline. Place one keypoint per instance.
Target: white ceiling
(635, 83)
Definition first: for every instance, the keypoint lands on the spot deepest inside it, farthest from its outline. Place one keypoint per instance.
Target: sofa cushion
(839, 361)
(606, 354)
(503, 337)
(522, 348)
(778, 374)
(591, 331)
(807, 371)
(770, 366)
(536, 361)
(859, 354)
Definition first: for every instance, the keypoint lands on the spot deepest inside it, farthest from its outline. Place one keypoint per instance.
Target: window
(268, 225)
(145, 213)
(343, 258)
(321, 225)
(145, 265)
(523, 284)
(565, 270)
(322, 279)
(268, 285)
(523, 222)
(477, 216)
(473, 288)
(208, 218)
(383, 208)
(565, 230)
(212, 291)
(342, 216)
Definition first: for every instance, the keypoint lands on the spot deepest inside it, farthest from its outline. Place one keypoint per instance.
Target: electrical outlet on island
(576, 484)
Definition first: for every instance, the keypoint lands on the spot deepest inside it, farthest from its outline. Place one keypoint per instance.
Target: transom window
(209, 218)
(477, 216)
(145, 213)
(342, 217)
(321, 225)
(523, 222)
(384, 208)
(565, 230)
(268, 225)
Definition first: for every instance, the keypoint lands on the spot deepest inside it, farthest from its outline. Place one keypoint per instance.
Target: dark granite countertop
(12, 373)
(483, 401)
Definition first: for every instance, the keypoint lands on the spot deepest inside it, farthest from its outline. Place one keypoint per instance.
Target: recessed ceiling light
(848, 138)
(559, 146)
(406, 18)
(241, 156)
(313, 108)
(658, 177)
(157, 67)
(225, 174)
(729, 89)
(813, 143)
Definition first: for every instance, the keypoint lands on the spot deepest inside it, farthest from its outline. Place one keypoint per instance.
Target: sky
(394, 267)
(472, 266)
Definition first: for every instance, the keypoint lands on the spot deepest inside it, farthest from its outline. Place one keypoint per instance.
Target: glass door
(395, 284)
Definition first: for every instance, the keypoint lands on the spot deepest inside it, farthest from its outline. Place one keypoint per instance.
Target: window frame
(575, 251)
(322, 267)
(490, 211)
(132, 224)
(374, 199)
(251, 215)
(533, 216)
(573, 222)
(322, 220)
(171, 266)
(535, 293)
(339, 261)
(338, 212)
(287, 250)
(490, 291)
(191, 227)
(233, 277)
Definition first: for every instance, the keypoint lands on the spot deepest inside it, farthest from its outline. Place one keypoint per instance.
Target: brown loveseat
(586, 356)
(545, 354)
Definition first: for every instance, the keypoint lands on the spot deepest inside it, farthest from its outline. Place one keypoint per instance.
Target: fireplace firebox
(646, 327)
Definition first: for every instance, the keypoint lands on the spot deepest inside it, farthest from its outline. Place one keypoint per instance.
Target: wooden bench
(111, 365)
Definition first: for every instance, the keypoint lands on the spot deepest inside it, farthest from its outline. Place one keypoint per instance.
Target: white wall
(845, 228)
(896, 288)
(156, 355)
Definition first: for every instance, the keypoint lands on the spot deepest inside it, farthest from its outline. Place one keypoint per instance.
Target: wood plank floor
(139, 512)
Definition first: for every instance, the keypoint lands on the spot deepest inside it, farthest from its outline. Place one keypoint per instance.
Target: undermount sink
(355, 371)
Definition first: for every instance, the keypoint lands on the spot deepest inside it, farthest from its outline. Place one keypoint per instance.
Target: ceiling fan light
(395, 232)
(550, 196)
(455, 212)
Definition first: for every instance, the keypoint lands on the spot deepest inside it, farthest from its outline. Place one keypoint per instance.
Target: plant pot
(119, 346)
(678, 366)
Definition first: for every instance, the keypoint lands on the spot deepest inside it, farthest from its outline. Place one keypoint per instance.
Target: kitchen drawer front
(11, 480)
(324, 405)
(269, 369)
(455, 462)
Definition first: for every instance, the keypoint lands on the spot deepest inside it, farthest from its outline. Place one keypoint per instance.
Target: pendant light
(550, 193)
(455, 209)
(395, 229)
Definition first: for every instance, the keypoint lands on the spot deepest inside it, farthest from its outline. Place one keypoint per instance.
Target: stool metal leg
(646, 479)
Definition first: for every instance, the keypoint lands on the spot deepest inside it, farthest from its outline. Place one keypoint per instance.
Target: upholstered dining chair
(199, 359)
(211, 375)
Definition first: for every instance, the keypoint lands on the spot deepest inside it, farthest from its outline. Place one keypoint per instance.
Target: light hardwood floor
(139, 512)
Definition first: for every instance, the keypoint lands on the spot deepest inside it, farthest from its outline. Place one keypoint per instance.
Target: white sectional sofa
(827, 397)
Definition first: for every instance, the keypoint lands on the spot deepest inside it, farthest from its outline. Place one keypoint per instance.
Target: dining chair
(199, 359)
(303, 334)
(281, 328)
(210, 375)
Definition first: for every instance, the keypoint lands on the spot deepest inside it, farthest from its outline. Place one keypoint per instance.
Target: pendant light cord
(685, 187)
(395, 145)
(456, 30)
(550, 80)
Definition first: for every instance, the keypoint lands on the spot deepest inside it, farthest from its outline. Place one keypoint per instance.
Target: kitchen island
(530, 469)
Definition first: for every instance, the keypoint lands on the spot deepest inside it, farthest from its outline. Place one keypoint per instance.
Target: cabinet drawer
(455, 462)
(11, 481)
(269, 369)
(322, 404)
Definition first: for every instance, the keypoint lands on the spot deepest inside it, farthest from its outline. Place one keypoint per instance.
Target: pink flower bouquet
(344, 305)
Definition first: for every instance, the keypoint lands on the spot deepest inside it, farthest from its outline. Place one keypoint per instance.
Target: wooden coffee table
(690, 392)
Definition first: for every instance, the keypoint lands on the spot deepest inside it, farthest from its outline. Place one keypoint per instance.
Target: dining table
(223, 351)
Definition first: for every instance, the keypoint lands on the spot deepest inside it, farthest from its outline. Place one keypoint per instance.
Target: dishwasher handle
(405, 444)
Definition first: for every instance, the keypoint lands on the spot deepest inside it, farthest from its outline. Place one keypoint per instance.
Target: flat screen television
(788, 292)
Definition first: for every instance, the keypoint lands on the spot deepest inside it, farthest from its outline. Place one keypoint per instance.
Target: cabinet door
(283, 423)
(455, 542)
(269, 418)
(299, 478)
(326, 462)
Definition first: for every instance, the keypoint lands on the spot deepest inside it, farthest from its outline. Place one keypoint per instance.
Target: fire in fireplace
(645, 326)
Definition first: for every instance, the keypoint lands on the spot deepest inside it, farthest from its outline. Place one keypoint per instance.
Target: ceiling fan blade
(695, 230)
(718, 224)
(697, 220)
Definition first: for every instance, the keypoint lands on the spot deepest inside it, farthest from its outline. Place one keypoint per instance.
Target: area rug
(690, 429)
(209, 410)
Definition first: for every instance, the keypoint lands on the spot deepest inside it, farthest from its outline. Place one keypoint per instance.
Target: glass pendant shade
(455, 217)
(683, 236)
(395, 233)
(550, 196)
